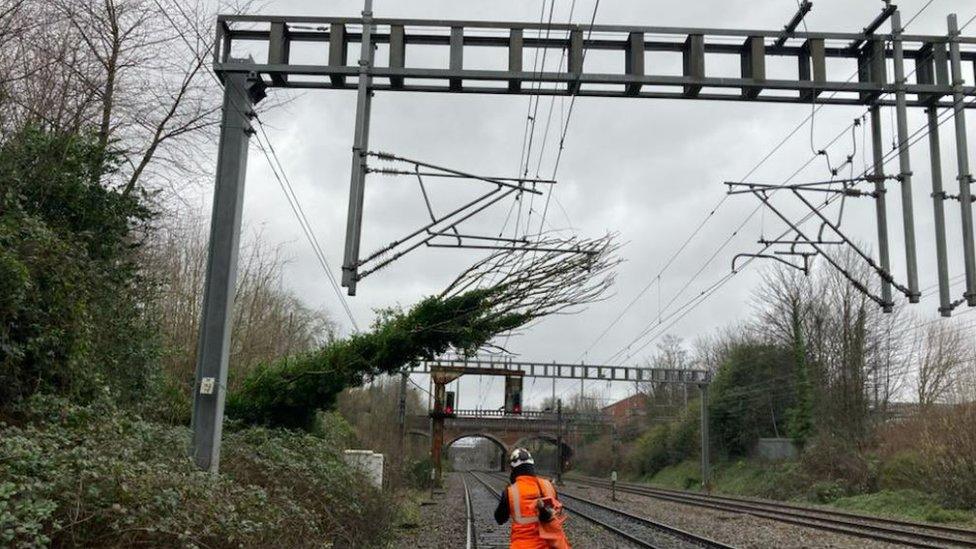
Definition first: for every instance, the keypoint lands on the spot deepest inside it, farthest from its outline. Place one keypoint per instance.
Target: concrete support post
(209, 391)
(904, 158)
(357, 183)
(705, 447)
(614, 449)
(962, 155)
(881, 206)
(938, 197)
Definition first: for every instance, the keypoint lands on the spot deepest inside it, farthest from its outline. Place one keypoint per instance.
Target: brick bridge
(508, 430)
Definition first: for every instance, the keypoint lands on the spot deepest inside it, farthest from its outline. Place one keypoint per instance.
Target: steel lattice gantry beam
(489, 366)
(812, 54)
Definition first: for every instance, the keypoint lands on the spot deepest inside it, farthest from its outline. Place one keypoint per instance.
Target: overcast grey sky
(650, 170)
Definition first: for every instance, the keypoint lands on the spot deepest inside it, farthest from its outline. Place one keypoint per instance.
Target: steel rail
(470, 541)
(694, 539)
(853, 524)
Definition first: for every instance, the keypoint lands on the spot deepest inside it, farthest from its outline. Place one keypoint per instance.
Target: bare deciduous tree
(568, 274)
(134, 73)
(854, 353)
(941, 354)
(270, 322)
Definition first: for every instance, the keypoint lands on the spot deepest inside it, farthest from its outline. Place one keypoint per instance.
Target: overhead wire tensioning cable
(529, 129)
(565, 129)
(545, 133)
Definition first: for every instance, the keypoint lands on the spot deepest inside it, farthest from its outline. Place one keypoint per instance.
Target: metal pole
(880, 205)
(357, 183)
(437, 433)
(402, 412)
(706, 481)
(938, 197)
(962, 155)
(904, 159)
(210, 389)
(559, 441)
(218, 299)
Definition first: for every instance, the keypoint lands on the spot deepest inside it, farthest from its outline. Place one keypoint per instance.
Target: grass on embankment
(784, 481)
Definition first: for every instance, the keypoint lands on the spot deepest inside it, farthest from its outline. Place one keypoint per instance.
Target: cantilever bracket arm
(447, 226)
(886, 12)
(801, 12)
(763, 196)
(522, 248)
(794, 242)
(846, 187)
(805, 268)
(449, 172)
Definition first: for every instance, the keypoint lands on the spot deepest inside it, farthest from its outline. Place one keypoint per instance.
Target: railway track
(482, 530)
(640, 531)
(887, 530)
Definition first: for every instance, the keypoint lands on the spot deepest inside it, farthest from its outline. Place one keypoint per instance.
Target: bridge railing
(567, 417)
(490, 365)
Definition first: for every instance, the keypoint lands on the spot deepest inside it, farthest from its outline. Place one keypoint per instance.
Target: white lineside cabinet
(367, 461)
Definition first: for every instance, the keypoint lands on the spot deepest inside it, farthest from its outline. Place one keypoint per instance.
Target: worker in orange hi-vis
(530, 501)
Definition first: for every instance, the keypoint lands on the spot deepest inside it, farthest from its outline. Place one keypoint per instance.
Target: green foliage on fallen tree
(499, 294)
(289, 393)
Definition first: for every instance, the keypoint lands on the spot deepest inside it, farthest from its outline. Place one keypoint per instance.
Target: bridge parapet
(536, 415)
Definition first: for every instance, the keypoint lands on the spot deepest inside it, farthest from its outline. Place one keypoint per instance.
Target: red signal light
(517, 409)
(448, 410)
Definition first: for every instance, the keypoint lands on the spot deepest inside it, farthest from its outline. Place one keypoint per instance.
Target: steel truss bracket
(846, 188)
(763, 194)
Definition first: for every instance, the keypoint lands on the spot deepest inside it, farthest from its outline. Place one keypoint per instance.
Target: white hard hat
(520, 456)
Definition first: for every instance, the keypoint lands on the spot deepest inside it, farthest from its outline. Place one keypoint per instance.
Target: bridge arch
(547, 460)
(496, 442)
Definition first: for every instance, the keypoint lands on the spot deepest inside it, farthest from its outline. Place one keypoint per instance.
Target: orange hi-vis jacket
(522, 495)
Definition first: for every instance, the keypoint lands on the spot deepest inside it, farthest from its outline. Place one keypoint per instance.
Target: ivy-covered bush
(72, 315)
(93, 476)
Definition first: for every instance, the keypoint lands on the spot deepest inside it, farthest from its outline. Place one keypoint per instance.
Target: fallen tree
(501, 293)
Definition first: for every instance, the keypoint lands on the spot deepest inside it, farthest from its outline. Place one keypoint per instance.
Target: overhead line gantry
(446, 369)
(254, 52)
